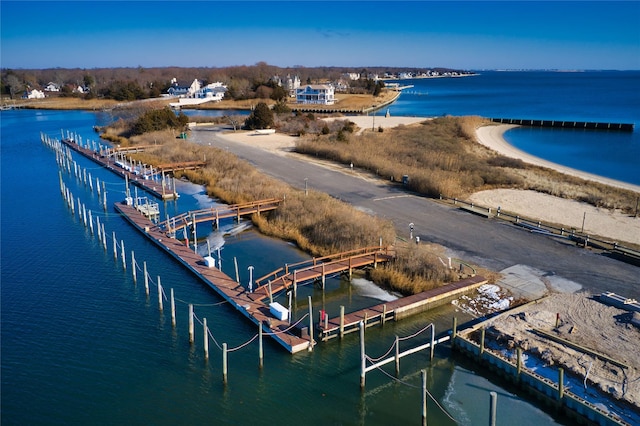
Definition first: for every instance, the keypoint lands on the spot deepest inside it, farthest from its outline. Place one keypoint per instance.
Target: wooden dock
(214, 214)
(156, 189)
(398, 309)
(318, 268)
(246, 303)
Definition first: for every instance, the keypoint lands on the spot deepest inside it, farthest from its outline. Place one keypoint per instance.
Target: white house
(323, 94)
(212, 92)
(51, 87)
(351, 75)
(185, 90)
(34, 94)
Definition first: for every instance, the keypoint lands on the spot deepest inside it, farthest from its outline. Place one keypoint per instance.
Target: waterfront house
(186, 90)
(212, 92)
(323, 94)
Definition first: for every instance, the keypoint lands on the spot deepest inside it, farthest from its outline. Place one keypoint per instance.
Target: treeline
(243, 82)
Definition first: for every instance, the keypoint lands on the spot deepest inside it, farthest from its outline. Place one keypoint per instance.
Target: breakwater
(590, 125)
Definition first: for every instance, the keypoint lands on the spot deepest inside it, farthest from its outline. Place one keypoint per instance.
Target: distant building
(351, 75)
(182, 89)
(51, 87)
(213, 92)
(34, 94)
(323, 94)
(289, 83)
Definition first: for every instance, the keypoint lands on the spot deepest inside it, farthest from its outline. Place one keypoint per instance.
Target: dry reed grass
(442, 157)
(316, 222)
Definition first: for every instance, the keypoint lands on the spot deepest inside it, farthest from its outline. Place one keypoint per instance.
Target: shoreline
(492, 136)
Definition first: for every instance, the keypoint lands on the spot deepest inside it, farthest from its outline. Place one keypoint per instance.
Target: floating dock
(156, 189)
(398, 309)
(246, 303)
(590, 125)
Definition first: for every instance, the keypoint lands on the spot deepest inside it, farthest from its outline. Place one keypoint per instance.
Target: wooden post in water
(560, 383)
(146, 278)
(173, 309)
(90, 178)
(84, 215)
(454, 330)
(105, 201)
(362, 357)
(260, 350)
(235, 262)
(224, 363)
(323, 276)
(115, 246)
(122, 254)
(195, 238)
(384, 313)
(219, 260)
(90, 222)
(206, 339)
(518, 362)
(310, 325)
(481, 343)
(493, 399)
(160, 305)
(397, 356)
(133, 267)
(190, 323)
(104, 238)
(341, 321)
(424, 397)
(433, 341)
(270, 293)
(295, 285)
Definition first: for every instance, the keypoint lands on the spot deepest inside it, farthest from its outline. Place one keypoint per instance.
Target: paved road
(491, 244)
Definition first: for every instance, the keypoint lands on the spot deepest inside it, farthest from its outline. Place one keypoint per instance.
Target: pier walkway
(230, 290)
(158, 190)
(319, 267)
(397, 309)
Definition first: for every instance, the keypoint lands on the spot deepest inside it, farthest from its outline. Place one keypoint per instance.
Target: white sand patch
(567, 213)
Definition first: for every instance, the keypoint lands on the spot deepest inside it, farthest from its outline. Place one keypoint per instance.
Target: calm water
(82, 344)
(605, 96)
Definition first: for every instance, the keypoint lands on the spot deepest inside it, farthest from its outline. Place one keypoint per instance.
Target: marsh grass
(317, 223)
(441, 157)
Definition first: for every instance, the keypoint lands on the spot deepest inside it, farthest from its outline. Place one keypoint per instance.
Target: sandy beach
(597, 221)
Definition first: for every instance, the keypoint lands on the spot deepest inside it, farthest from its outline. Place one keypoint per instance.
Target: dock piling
(173, 310)
(341, 321)
(190, 323)
(362, 357)
(206, 339)
(493, 399)
(424, 397)
(122, 254)
(133, 267)
(310, 325)
(260, 349)
(146, 278)
(224, 363)
(160, 305)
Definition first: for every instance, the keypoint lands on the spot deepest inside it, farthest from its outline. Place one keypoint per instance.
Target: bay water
(83, 344)
(598, 96)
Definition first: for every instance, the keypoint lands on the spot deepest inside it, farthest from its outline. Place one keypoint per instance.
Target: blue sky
(455, 34)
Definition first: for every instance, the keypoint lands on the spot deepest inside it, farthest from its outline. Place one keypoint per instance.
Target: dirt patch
(583, 320)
